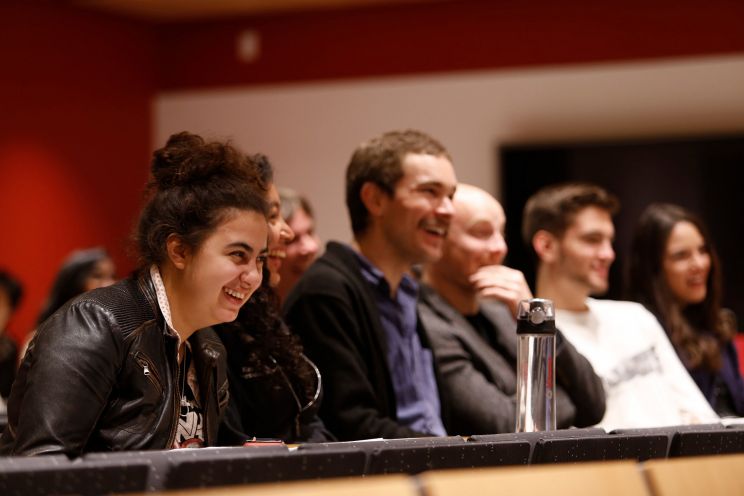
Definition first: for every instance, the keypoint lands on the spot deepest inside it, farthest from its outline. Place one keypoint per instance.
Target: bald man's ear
(546, 246)
(373, 197)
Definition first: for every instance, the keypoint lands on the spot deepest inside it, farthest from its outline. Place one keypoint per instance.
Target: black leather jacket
(101, 374)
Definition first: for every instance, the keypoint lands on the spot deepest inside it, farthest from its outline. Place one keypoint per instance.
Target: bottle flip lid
(536, 316)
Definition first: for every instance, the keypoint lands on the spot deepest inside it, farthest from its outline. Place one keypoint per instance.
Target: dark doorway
(701, 174)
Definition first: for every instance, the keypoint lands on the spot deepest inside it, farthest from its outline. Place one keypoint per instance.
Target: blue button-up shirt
(411, 365)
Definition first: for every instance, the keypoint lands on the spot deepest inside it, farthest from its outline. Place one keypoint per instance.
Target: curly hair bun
(187, 159)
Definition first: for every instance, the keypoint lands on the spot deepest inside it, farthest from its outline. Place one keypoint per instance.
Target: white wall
(309, 130)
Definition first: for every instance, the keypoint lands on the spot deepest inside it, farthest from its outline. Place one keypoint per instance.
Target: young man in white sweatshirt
(570, 231)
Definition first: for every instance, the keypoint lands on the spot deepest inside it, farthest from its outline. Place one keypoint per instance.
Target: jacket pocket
(149, 371)
(139, 406)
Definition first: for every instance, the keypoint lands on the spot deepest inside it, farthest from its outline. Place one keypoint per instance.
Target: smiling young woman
(274, 388)
(123, 367)
(676, 274)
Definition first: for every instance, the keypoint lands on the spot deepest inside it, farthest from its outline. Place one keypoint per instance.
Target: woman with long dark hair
(275, 389)
(675, 272)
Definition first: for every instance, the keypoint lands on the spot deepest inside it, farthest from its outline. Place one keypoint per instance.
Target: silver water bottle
(535, 366)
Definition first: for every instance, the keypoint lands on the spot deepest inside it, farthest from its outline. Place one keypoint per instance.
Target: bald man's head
(473, 204)
(476, 236)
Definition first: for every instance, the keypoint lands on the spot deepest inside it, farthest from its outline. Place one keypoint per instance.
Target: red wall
(447, 36)
(75, 98)
(76, 89)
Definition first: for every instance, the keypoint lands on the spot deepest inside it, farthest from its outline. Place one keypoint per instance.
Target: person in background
(83, 270)
(570, 231)
(303, 249)
(355, 307)
(11, 292)
(274, 388)
(468, 306)
(676, 274)
(123, 367)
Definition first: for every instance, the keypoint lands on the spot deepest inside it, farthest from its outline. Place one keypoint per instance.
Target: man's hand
(502, 283)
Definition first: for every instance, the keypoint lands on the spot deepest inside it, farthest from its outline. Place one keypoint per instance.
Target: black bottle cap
(536, 316)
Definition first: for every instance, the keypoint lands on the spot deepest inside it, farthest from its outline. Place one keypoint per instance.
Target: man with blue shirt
(355, 307)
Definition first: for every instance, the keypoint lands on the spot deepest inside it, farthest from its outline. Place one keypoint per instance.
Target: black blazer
(480, 383)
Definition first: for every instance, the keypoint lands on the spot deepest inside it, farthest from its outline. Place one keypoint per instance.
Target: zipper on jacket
(176, 404)
(149, 291)
(206, 399)
(149, 371)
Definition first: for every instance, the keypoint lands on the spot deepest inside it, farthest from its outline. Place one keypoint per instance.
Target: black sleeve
(476, 404)
(313, 430)
(65, 382)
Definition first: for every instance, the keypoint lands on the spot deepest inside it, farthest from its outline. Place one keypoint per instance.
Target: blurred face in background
(303, 249)
(103, 274)
(586, 252)
(686, 264)
(280, 234)
(5, 308)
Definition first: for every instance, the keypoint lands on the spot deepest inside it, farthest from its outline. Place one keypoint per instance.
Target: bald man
(467, 306)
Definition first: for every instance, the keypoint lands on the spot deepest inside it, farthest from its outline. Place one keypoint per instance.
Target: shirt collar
(376, 278)
(162, 296)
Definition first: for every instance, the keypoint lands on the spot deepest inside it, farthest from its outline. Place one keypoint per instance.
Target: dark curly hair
(259, 338)
(262, 341)
(194, 185)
